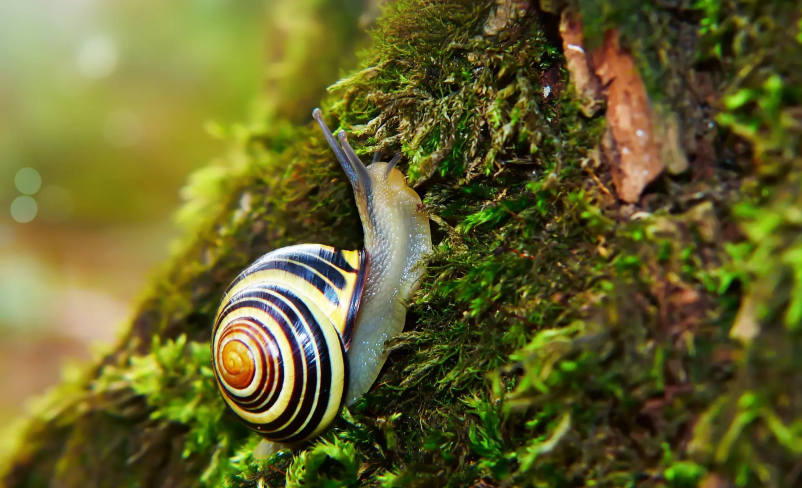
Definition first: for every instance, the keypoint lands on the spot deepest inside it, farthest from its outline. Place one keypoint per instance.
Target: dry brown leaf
(635, 153)
(586, 84)
(640, 142)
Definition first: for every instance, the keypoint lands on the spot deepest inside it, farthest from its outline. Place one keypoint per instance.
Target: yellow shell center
(237, 364)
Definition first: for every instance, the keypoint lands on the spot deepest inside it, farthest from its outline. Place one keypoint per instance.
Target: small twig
(277, 470)
(601, 185)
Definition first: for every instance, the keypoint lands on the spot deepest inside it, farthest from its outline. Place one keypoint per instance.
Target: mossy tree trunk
(562, 336)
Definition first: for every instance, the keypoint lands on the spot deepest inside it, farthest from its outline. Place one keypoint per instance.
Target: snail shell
(280, 339)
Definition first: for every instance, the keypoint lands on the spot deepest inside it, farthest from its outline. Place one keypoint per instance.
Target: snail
(301, 331)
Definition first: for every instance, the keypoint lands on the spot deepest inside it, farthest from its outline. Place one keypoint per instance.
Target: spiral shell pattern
(280, 339)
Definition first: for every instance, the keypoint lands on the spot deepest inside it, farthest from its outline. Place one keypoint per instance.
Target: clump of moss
(558, 339)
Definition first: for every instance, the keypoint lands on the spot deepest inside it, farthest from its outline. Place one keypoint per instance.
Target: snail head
(380, 189)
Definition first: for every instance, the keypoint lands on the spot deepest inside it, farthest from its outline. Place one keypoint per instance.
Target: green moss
(325, 464)
(558, 339)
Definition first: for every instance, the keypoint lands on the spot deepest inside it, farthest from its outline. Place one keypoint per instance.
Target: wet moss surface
(560, 338)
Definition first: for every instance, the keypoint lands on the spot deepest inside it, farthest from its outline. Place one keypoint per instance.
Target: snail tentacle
(355, 170)
(349, 151)
(392, 163)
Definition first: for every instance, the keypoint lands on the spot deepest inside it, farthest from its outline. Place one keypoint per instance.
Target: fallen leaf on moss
(632, 149)
(639, 143)
(586, 84)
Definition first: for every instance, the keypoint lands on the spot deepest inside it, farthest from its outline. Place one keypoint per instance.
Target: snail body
(301, 331)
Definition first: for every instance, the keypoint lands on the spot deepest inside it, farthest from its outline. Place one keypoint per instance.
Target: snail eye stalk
(353, 167)
(392, 164)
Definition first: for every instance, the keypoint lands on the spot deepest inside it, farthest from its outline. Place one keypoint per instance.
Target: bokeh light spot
(23, 209)
(28, 181)
(97, 57)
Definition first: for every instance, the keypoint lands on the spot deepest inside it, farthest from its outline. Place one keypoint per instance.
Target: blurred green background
(102, 112)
